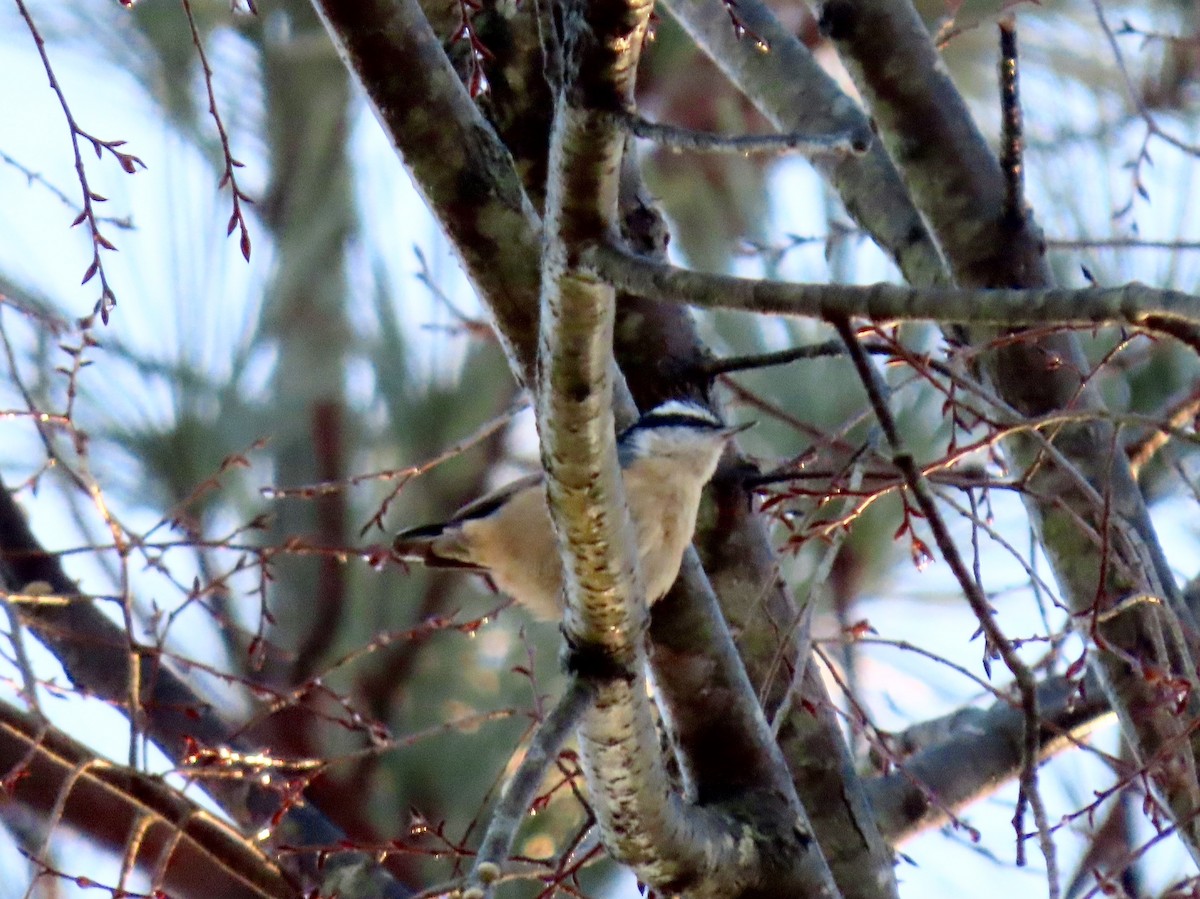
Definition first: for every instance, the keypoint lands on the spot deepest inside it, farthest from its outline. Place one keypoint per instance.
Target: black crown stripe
(674, 420)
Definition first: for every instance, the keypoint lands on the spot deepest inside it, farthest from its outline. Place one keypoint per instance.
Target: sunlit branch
(1176, 417)
(96, 655)
(680, 139)
(643, 822)
(203, 855)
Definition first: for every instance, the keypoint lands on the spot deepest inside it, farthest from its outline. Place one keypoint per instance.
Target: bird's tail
(433, 546)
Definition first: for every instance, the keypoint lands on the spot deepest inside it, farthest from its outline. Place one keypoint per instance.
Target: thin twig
(125, 223)
(1170, 312)
(830, 348)
(127, 161)
(16, 636)
(997, 642)
(238, 218)
(1135, 97)
(520, 790)
(1011, 137)
(1120, 243)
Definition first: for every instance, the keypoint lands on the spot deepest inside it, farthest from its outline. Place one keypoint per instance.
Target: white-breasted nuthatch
(666, 457)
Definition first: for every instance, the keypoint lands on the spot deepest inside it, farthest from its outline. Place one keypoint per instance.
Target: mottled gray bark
(946, 764)
(1090, 517)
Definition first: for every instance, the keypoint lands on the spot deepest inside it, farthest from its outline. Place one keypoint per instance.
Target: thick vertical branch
(747, 843)
(642, 820)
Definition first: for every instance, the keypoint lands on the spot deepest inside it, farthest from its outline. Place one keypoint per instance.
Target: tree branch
(94, 652)
(795, 94)
(734, 543)
(462, 167)
(521, 788)
(1170, 312)
(976, 753)
(996, 641)
(185, 849)
(686, 139)
(958, 185)
(642, 821)
(672, 845)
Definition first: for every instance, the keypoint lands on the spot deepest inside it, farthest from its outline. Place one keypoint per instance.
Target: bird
(666, 458)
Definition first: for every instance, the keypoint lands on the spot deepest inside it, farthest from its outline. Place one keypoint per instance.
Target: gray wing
(489, 503)
(436, 546)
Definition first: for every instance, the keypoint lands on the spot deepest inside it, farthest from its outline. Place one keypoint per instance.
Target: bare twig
(127, 161)
(997, 642)
(549, 737)
(829, 348)
(125, 223)
(238, 218)
(1011, 136)
(1120, 243)
(1153, 129)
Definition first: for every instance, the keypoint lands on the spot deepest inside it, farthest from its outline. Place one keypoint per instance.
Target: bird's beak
(733, 431)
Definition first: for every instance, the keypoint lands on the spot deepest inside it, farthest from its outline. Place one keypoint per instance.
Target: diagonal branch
(95, 654)
(186, 850)
(996, 641)
(464, 171)
(521, 788)
(977, 753)
(791, 89)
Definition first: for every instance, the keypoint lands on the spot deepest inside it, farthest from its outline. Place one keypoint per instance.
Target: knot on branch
(594, 662)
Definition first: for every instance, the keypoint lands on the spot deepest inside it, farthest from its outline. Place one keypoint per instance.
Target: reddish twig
(996, 641)
(127, 161)
(238, 218)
